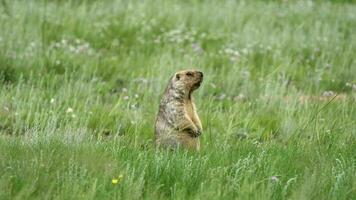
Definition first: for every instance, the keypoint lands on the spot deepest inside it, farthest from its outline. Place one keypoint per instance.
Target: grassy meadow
(80, 83)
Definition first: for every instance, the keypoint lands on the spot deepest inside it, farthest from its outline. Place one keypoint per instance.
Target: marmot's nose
(200, 73)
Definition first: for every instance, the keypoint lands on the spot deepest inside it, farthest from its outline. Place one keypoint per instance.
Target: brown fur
(177, 123)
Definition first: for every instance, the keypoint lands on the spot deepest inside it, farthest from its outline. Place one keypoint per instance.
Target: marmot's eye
(189, 74)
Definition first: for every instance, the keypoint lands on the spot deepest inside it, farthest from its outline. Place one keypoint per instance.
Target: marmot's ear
(177, 76)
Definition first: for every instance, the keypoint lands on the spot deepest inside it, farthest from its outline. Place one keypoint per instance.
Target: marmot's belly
(178, 140)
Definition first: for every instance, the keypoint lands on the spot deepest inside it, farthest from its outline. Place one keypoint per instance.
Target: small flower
(274, 179)
(213, 85)
(71, 48)
(134, 106)
(245, 51)
(157, 40)
(117, 180)
(69, 110)
(240, 97)
(32, 44)
(221, 96)
(126, 97)
(351, 85)
(197, 48)
(328, 93)
(52, 101)
(63, 41)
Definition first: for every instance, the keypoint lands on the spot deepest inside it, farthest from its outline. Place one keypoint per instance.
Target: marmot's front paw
(199, 131)
(195, 133)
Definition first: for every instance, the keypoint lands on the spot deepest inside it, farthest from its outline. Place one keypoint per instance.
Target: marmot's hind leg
(167, 142)
(189, 142)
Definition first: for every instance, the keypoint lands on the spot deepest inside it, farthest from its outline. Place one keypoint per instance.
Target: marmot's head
(187, 80)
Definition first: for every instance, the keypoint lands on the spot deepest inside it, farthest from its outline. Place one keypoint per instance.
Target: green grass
(80, 83)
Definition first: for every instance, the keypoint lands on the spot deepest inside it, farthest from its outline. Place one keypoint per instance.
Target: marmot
(177, 123)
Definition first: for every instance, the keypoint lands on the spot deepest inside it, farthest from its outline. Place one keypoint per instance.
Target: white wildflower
(69, 110)
(240, 97)
(197, 48)
(33, 44)
(245, 51)
(274, 179)
(328, 93)
(72, 48)
(213, 85)
(64, 42)
(222, 96)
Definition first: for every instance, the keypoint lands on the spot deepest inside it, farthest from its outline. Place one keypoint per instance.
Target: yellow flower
(115, 181)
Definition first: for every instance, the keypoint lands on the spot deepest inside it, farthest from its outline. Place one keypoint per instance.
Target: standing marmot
(177, 123)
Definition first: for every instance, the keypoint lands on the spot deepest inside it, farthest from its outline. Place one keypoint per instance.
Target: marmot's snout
(200, 76)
